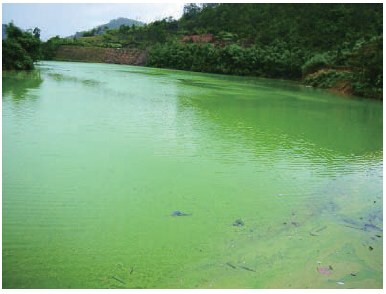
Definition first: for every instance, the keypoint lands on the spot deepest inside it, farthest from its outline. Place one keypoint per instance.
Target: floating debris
(364, 227)
(231, 265)
(321, 229)
(247, 268)
(371, 227)
(241, 266)
(179, 213)
(340, 283)
(323, 270)
(314, 233)
(354, 227)
(117, 280)
(238, 223)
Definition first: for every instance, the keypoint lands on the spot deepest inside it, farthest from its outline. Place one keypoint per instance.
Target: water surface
(96, 157)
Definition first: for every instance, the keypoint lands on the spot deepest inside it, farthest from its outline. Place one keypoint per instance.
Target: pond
(281, 184)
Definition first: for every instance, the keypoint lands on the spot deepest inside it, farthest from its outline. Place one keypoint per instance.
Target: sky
(65, 19)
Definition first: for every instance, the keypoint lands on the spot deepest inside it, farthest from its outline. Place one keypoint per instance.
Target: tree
(36, 33)
(50, 48)
(15, 56)
(20, 49)
(191, 11)
(124, 29)
(13, 32)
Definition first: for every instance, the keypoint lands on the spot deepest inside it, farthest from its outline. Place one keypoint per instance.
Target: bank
(101, 55)
(336, 79)
(342, 81)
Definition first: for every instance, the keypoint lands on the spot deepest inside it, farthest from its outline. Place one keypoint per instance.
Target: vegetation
(20, 49)
(338, 44)
(112, 24)
(269, 61)
(323, 45)
(17, 84)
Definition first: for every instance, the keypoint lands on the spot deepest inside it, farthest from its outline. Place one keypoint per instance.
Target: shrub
(328, 78)
(15, 56)
(317, 62)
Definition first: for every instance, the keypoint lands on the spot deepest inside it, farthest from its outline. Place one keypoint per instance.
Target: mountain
(116, 23)
(112, 24)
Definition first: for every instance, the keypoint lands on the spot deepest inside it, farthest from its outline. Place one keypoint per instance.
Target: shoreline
(345, 91)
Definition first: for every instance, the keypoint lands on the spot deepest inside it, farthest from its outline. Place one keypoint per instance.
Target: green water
(96, 157)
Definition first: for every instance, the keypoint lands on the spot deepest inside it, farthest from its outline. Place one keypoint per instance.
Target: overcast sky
(67, 18)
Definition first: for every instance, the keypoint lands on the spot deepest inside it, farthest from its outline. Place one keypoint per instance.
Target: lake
(282, 184)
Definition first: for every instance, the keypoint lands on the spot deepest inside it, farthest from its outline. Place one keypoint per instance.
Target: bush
(367, 90)
(230, 59)
(15, 56)
(20, 49)
(329, 78)
(317, 62)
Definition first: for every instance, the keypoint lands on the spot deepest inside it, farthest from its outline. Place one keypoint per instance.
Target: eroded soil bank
(102, 55)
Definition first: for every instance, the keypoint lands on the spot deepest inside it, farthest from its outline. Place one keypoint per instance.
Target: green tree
(15, 56)
(50, 48)
(36, 33)
(20, 49)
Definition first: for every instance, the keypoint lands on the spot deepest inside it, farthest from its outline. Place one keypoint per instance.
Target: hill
(112, 24)
(332, 45)
(116, 23)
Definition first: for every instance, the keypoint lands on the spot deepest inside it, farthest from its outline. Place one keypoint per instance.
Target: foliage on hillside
(362, 68)
(314, 25)
(269, 61)
(289, 41)
(112, 24)
(20, 49)
(133, 36)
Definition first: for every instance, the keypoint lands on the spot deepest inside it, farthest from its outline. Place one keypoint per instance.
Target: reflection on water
(17, 83)
(332, 128)
(68, 78)
(93, 171)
